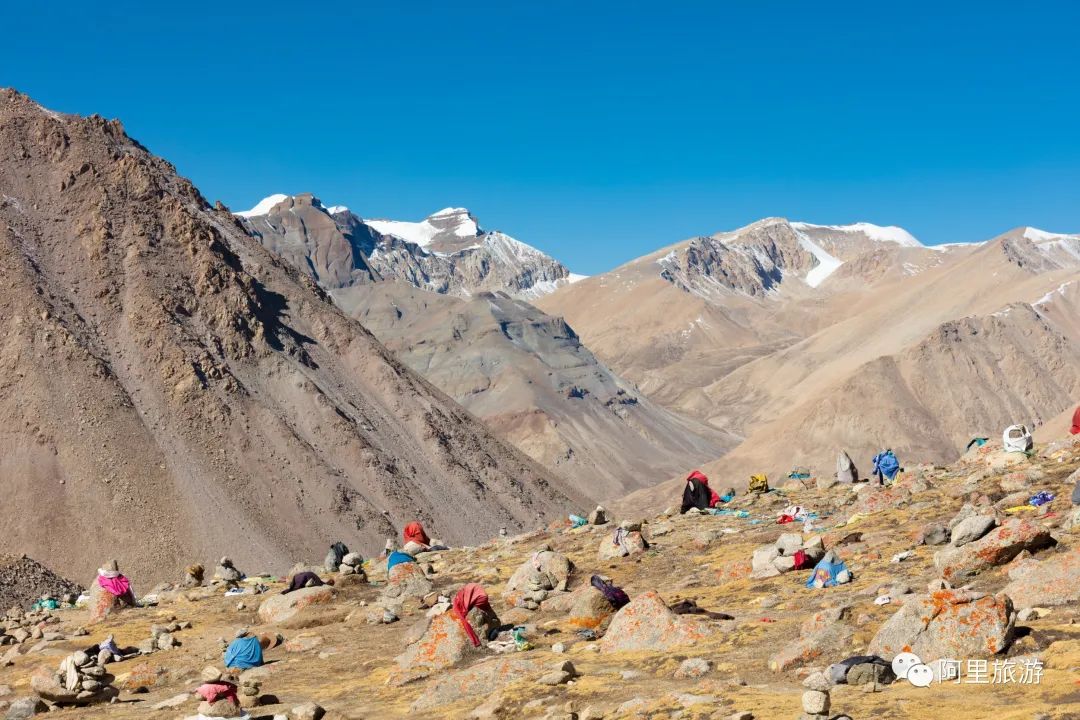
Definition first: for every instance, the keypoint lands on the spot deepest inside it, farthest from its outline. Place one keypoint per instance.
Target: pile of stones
(79, 680)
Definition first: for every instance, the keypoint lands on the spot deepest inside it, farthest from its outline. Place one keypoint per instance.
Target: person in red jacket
(697, 493)
(1076, 421)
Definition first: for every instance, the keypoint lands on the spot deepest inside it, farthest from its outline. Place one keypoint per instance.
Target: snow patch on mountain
(878, 233)
(454, 221)
(1045, 299)
(1037, 236)
(827, 264)
(945, 247)
(419, 233)
(1059, 247)
(264, 206)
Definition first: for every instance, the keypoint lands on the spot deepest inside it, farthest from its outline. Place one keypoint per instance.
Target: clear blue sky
(596, 131)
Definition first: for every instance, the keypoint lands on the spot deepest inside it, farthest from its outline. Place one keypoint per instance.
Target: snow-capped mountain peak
(445, 224)
(264, 206)
(446, 252)
(1036, 235)
(877, 233)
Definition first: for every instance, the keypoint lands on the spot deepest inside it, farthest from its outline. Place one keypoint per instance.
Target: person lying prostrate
(302, 580)
(417, 540)
(113, 581)
(397, 558)
(244, 652)
(468, 597)
(698, 494)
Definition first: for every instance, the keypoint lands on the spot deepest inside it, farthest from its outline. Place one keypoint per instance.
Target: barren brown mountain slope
(525, 373)
(678, 319)
(169, 389)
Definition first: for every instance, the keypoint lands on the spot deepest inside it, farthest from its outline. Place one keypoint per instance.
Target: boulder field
(951, 563)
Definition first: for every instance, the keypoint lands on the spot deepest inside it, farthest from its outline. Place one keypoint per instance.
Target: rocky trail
(942, 564)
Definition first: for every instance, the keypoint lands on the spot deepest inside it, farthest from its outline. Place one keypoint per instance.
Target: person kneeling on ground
(886, 466)
(245, 651)
(113, 581)
(304, 579)
(698, 494)
(417, 541)
(469, 597)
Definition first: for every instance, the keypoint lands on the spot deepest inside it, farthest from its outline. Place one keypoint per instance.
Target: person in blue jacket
(886, 466)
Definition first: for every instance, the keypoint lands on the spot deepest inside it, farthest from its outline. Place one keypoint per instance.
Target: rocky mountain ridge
(171, 387)
(446, 253)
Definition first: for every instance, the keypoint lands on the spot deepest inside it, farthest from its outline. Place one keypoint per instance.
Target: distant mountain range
(525, 373)
(805, 339)
(446, 252)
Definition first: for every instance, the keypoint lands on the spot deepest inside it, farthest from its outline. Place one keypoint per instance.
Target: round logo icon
(920, 675)
(904, 662)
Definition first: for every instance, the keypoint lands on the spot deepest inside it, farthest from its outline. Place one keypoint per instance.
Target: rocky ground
(24, 580)
(964, 579)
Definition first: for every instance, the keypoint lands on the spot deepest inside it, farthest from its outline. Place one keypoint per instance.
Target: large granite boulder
(997, 547)
(406, 580)
(1053, 581)
(441, 644)
(947, 624)
(279, 608)
(646, 623)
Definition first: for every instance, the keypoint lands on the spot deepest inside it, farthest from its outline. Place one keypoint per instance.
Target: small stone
(558, 647)
(742, 715)
(935, 534)
(693, 668)
(815, 702)
(491, 709)
(26, 708)
(555, 677)
(817, 681)
(870, 673)
(307, 711)
(971, 529)
(688, 700)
